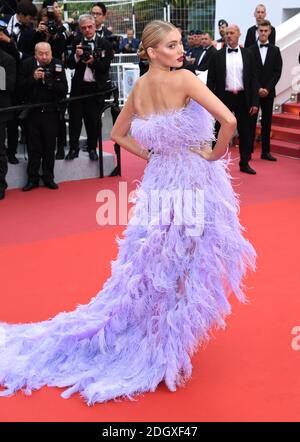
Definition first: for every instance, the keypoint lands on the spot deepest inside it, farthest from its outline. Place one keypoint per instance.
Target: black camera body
(87, 52)
(48, 75)
(51, 24)
(52, 27)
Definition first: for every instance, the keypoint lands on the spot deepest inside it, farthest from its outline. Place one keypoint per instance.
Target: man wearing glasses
(98, 11)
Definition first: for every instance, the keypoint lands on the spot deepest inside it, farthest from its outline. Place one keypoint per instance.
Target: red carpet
(54, 256)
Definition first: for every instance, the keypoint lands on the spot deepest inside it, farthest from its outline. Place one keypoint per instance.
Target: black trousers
(238, 105)
(42, 130)
(12, 136)
(62, 130)
(266, 105)
(3, 158)
(87, 110)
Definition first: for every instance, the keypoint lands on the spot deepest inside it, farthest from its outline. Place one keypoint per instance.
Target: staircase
(285, 130)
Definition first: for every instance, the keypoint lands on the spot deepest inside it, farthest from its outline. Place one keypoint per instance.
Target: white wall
(241, 12)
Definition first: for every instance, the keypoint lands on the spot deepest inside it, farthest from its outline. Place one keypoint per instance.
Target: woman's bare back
(155, 94)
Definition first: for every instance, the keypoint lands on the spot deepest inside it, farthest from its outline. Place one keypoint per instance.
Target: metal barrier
(124, 71)
(112, 104)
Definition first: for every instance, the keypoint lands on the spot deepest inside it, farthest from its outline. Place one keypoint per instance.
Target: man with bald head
(42, 79)
(252, 36)
(232, 77)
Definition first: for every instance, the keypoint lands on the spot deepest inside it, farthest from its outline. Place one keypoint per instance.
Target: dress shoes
(72, 154)
(247, 169)
(93, 155)
(30, 185)
(50, 184)
(2, 194)
(12, 159)
(268, 156)
(60, 154)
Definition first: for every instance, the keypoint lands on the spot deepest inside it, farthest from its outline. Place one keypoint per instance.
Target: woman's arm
(119, 133)
(197, 90)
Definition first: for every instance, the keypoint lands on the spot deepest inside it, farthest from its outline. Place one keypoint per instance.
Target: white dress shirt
(13, 26)
(234, 70)
(88, 73)
(263, 51)
(203, 54)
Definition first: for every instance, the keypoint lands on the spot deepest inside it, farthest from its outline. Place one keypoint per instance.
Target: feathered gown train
(169, 285)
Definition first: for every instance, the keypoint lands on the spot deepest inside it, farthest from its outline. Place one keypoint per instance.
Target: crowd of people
(37, 46)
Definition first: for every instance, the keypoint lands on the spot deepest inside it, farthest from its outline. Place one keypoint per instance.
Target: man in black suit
(99, 13)
(268, 64)
(7, 84)
(203, 58)
(43, 80)
(22, 34)
(231, 76)
(91, 76)
(252, 33)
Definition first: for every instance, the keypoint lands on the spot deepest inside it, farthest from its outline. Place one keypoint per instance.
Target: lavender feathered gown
(167, 289)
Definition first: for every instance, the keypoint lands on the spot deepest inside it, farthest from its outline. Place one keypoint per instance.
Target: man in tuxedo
(252, 33)
(43, 80)
(231, 76)
(203, 59)
(268, 64)
(91, 76)
(22, 34)
(7, 84)
(99, 13)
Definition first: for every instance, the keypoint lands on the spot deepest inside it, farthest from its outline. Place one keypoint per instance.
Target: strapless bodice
(174, 130)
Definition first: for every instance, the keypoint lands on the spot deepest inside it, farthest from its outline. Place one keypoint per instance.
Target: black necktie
(232, 50)
(265, 46)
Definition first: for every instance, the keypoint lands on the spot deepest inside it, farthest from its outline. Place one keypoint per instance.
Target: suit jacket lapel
(268, 55)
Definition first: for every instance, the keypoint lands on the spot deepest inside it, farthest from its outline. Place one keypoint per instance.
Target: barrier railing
(113, 105)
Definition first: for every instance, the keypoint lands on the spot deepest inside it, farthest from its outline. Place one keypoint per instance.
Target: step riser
(286, 122)
(285, 151)
(291, 108)
(294, 138)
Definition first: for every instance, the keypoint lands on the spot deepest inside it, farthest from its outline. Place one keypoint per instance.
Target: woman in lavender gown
(182, 254)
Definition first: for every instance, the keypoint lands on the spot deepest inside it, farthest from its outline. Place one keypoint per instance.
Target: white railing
(288, 39)
(124, 72)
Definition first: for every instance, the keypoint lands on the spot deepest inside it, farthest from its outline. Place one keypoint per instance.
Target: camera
(48, 75)
(87, 52)
(51, 25)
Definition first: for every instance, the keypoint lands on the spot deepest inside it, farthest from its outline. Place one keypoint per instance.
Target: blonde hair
(153, 34)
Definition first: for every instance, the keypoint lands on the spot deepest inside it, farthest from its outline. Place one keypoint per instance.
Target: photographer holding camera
(43, 80)
(7, 85)
(91, 57)
(51, 29)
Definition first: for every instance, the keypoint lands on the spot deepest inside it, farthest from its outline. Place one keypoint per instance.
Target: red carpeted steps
(285, 131)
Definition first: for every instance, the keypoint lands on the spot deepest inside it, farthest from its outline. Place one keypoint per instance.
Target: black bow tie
(232, 50)
(86, 42)
(264, 46)
(205, 49)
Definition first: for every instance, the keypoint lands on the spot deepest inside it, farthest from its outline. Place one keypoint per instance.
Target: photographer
(22, 35)
(50, 29)
(20, 28)
(130, 44)
(91, 57)
(43, 80)
(7, 84)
